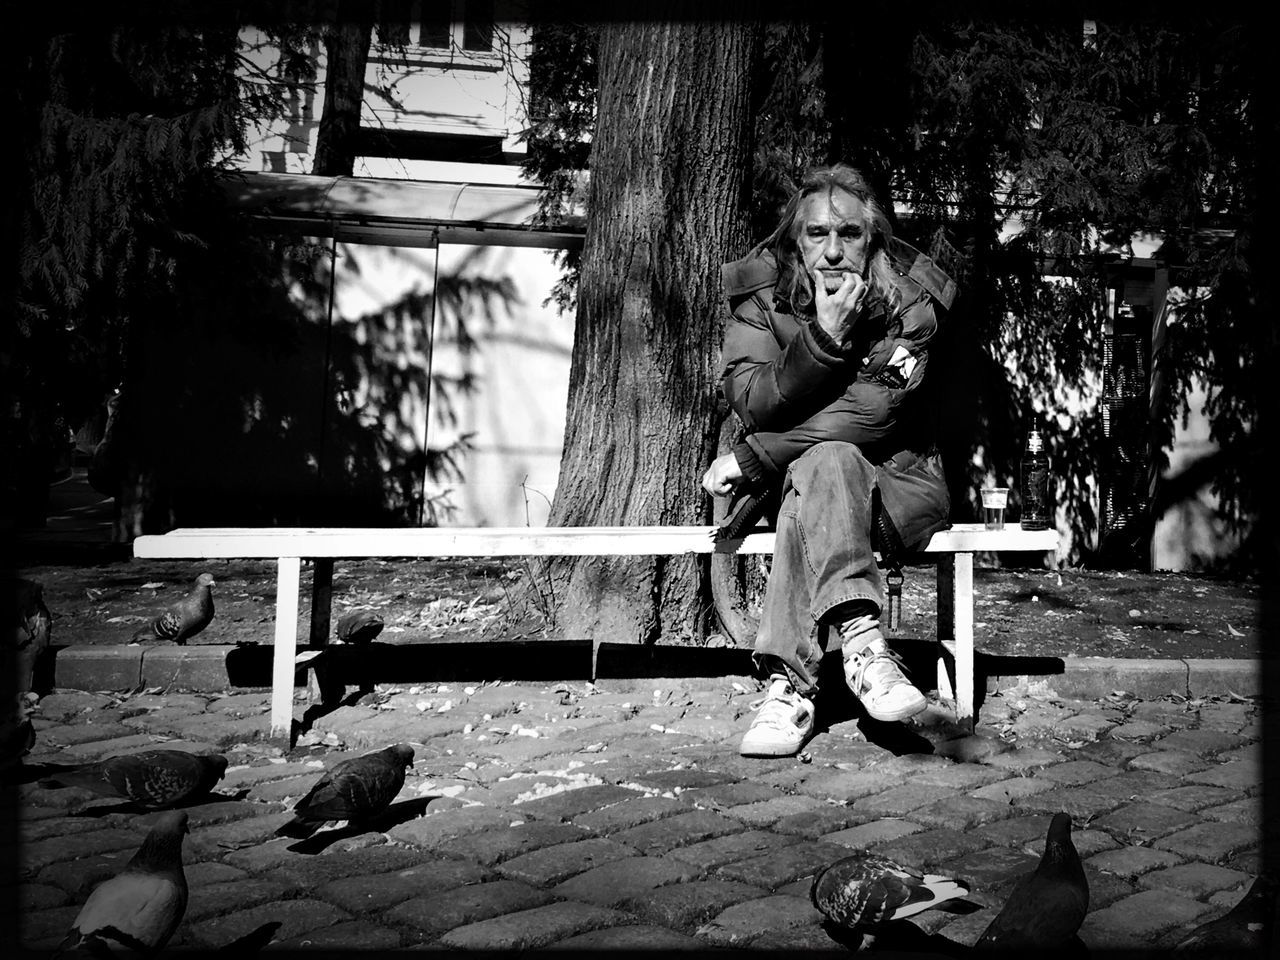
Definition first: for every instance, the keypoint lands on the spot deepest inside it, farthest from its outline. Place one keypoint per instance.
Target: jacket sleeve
(766, 383)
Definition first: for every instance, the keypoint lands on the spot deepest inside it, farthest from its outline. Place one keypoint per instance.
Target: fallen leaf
(1234, 631)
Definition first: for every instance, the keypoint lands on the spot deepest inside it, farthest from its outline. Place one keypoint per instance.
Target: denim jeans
(823, 564)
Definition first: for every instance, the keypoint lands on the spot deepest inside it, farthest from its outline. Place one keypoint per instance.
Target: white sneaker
(876, 678)
(782, 725)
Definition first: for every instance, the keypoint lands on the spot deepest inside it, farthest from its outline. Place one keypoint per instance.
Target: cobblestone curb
(212, 668)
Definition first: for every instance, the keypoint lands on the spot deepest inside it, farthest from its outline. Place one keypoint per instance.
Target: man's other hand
(722, 476)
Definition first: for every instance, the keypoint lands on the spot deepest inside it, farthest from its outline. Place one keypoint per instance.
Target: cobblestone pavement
(621, 816)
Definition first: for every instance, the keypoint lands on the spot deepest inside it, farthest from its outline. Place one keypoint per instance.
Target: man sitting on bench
(824, 361)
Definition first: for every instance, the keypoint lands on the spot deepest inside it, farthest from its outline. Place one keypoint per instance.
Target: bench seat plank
(271, 543)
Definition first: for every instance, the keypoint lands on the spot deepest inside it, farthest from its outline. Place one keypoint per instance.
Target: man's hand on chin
(838, 299)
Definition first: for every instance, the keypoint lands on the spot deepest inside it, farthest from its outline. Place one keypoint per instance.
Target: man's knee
(834, 456)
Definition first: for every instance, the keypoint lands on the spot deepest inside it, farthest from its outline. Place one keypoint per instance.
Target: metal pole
(426, 396)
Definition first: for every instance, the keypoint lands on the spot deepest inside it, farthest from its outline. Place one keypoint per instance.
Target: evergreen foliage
(1141, 127)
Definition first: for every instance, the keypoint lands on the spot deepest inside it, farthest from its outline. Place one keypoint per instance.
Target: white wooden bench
(955, 548)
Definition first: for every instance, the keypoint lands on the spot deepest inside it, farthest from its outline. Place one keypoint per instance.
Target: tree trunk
(667, 205)
(346, 46)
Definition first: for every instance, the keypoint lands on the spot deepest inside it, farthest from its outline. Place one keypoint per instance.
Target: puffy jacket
(792, 385)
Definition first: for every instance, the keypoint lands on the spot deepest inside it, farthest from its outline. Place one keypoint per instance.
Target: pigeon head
(218, 762)
(1060, 829)
(205, 580)
(1058, 848)
(403, 753)
(162, 848)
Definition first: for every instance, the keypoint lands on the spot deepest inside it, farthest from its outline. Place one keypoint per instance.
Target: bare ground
(1017, 612)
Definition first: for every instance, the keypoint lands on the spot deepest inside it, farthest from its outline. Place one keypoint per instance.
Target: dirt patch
(1017, 612)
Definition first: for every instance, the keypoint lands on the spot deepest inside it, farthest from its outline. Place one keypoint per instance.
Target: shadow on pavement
(397, 813)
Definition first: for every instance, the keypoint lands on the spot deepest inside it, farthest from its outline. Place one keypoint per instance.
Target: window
(465, 25)
(477, 25)
(435, 23)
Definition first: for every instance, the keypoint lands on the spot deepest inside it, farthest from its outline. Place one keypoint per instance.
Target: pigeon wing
(357, 788)
(155, 778)
(167, 626)
(144, 907)
(854, 892)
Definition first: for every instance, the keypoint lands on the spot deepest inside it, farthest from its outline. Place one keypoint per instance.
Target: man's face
(833, 239)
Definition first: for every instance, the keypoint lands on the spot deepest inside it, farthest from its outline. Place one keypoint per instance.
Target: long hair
(783, 243)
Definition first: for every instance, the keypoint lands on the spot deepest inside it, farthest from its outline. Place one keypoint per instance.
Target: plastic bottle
(1036, 509)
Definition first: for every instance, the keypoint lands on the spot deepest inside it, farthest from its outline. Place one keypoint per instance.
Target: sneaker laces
(779, 708)
(878, 664)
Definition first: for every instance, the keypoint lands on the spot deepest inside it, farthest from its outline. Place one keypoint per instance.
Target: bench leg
(284, 656)
(955, 626)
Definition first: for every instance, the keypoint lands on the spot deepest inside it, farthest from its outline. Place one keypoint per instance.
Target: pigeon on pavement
(359, 626)
(1242, 930)
(354, 789)
(140, 907)
(1046, 908)
(17, 735)
(860, 892)
(153, 779)
(185, 618)
(32, 630)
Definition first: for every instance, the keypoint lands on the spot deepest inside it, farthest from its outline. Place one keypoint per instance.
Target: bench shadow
(249, 664)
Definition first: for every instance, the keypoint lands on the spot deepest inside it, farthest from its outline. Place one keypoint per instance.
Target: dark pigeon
(861, 892)
(17, 737)
(359, 626)
(1046, 908)
(185, 618)
(354, 789)
(32, 630)
(140, 908)
(153, 779)
(1242, 930)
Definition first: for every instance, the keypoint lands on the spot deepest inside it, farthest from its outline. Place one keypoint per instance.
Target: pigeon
(354, 789)
(32, 630)
(17, 736)
(1242, 930)
(140, 907)
(184, 619)
(152, 779)
(860, 892)
(1046, 908)
(359, 626)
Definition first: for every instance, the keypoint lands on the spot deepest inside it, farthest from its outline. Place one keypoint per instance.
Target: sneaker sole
(900, 714)
(780, 750)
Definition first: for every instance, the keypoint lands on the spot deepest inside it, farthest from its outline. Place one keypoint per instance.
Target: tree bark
(346, 46)
(667, 206)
